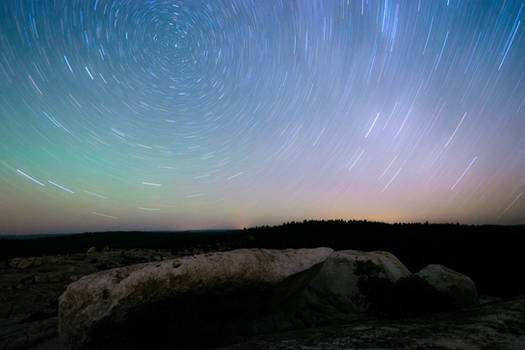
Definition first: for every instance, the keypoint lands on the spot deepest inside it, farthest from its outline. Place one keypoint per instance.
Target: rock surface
(495, 325)
(458, 288)
(218, 294)
(338, 290)
(30, 287)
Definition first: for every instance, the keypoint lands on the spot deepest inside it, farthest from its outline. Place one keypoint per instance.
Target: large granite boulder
(189, 302)
(454, 289)
(352, 284)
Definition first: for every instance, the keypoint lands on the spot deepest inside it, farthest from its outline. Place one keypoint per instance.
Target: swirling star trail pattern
(169, 114)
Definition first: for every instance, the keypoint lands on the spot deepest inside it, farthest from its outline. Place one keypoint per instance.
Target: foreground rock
(454, 286)
(496, 325)
(31, 287)
(221, 295)
(345, 285)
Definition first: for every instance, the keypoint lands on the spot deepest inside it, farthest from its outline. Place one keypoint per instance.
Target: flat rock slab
(188, 302)
(496, 325)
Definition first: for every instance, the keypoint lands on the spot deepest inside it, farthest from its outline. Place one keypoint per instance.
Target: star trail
(165, 115)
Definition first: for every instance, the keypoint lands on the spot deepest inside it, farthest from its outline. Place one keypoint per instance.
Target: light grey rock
(50, 277)
(337, 291)
(216, 294)
(25, 263)
(458, 288)
(49, 262)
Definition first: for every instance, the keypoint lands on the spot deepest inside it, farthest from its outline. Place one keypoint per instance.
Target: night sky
(167, 115)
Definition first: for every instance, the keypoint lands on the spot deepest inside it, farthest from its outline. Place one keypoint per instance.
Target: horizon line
(9, 235)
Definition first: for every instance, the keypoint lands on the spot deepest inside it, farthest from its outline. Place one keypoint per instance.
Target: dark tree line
(490, 255)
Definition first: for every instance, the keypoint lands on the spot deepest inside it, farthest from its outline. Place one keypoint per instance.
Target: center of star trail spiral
(120, 114)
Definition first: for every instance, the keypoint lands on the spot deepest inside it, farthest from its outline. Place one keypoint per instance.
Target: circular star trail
(172, 114)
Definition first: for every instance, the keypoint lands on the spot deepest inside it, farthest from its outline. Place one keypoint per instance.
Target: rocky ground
(492, 325)
(30, 287)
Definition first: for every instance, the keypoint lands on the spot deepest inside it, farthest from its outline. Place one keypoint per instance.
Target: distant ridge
(47, 235)
(38, 235)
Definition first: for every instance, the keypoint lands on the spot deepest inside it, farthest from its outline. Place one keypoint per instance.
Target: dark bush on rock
(406, 297)
(354, 284)
(433, 289)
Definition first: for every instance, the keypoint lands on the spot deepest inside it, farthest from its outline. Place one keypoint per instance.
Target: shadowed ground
(495, 325)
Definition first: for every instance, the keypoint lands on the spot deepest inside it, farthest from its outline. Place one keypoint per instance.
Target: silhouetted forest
(490, 255)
